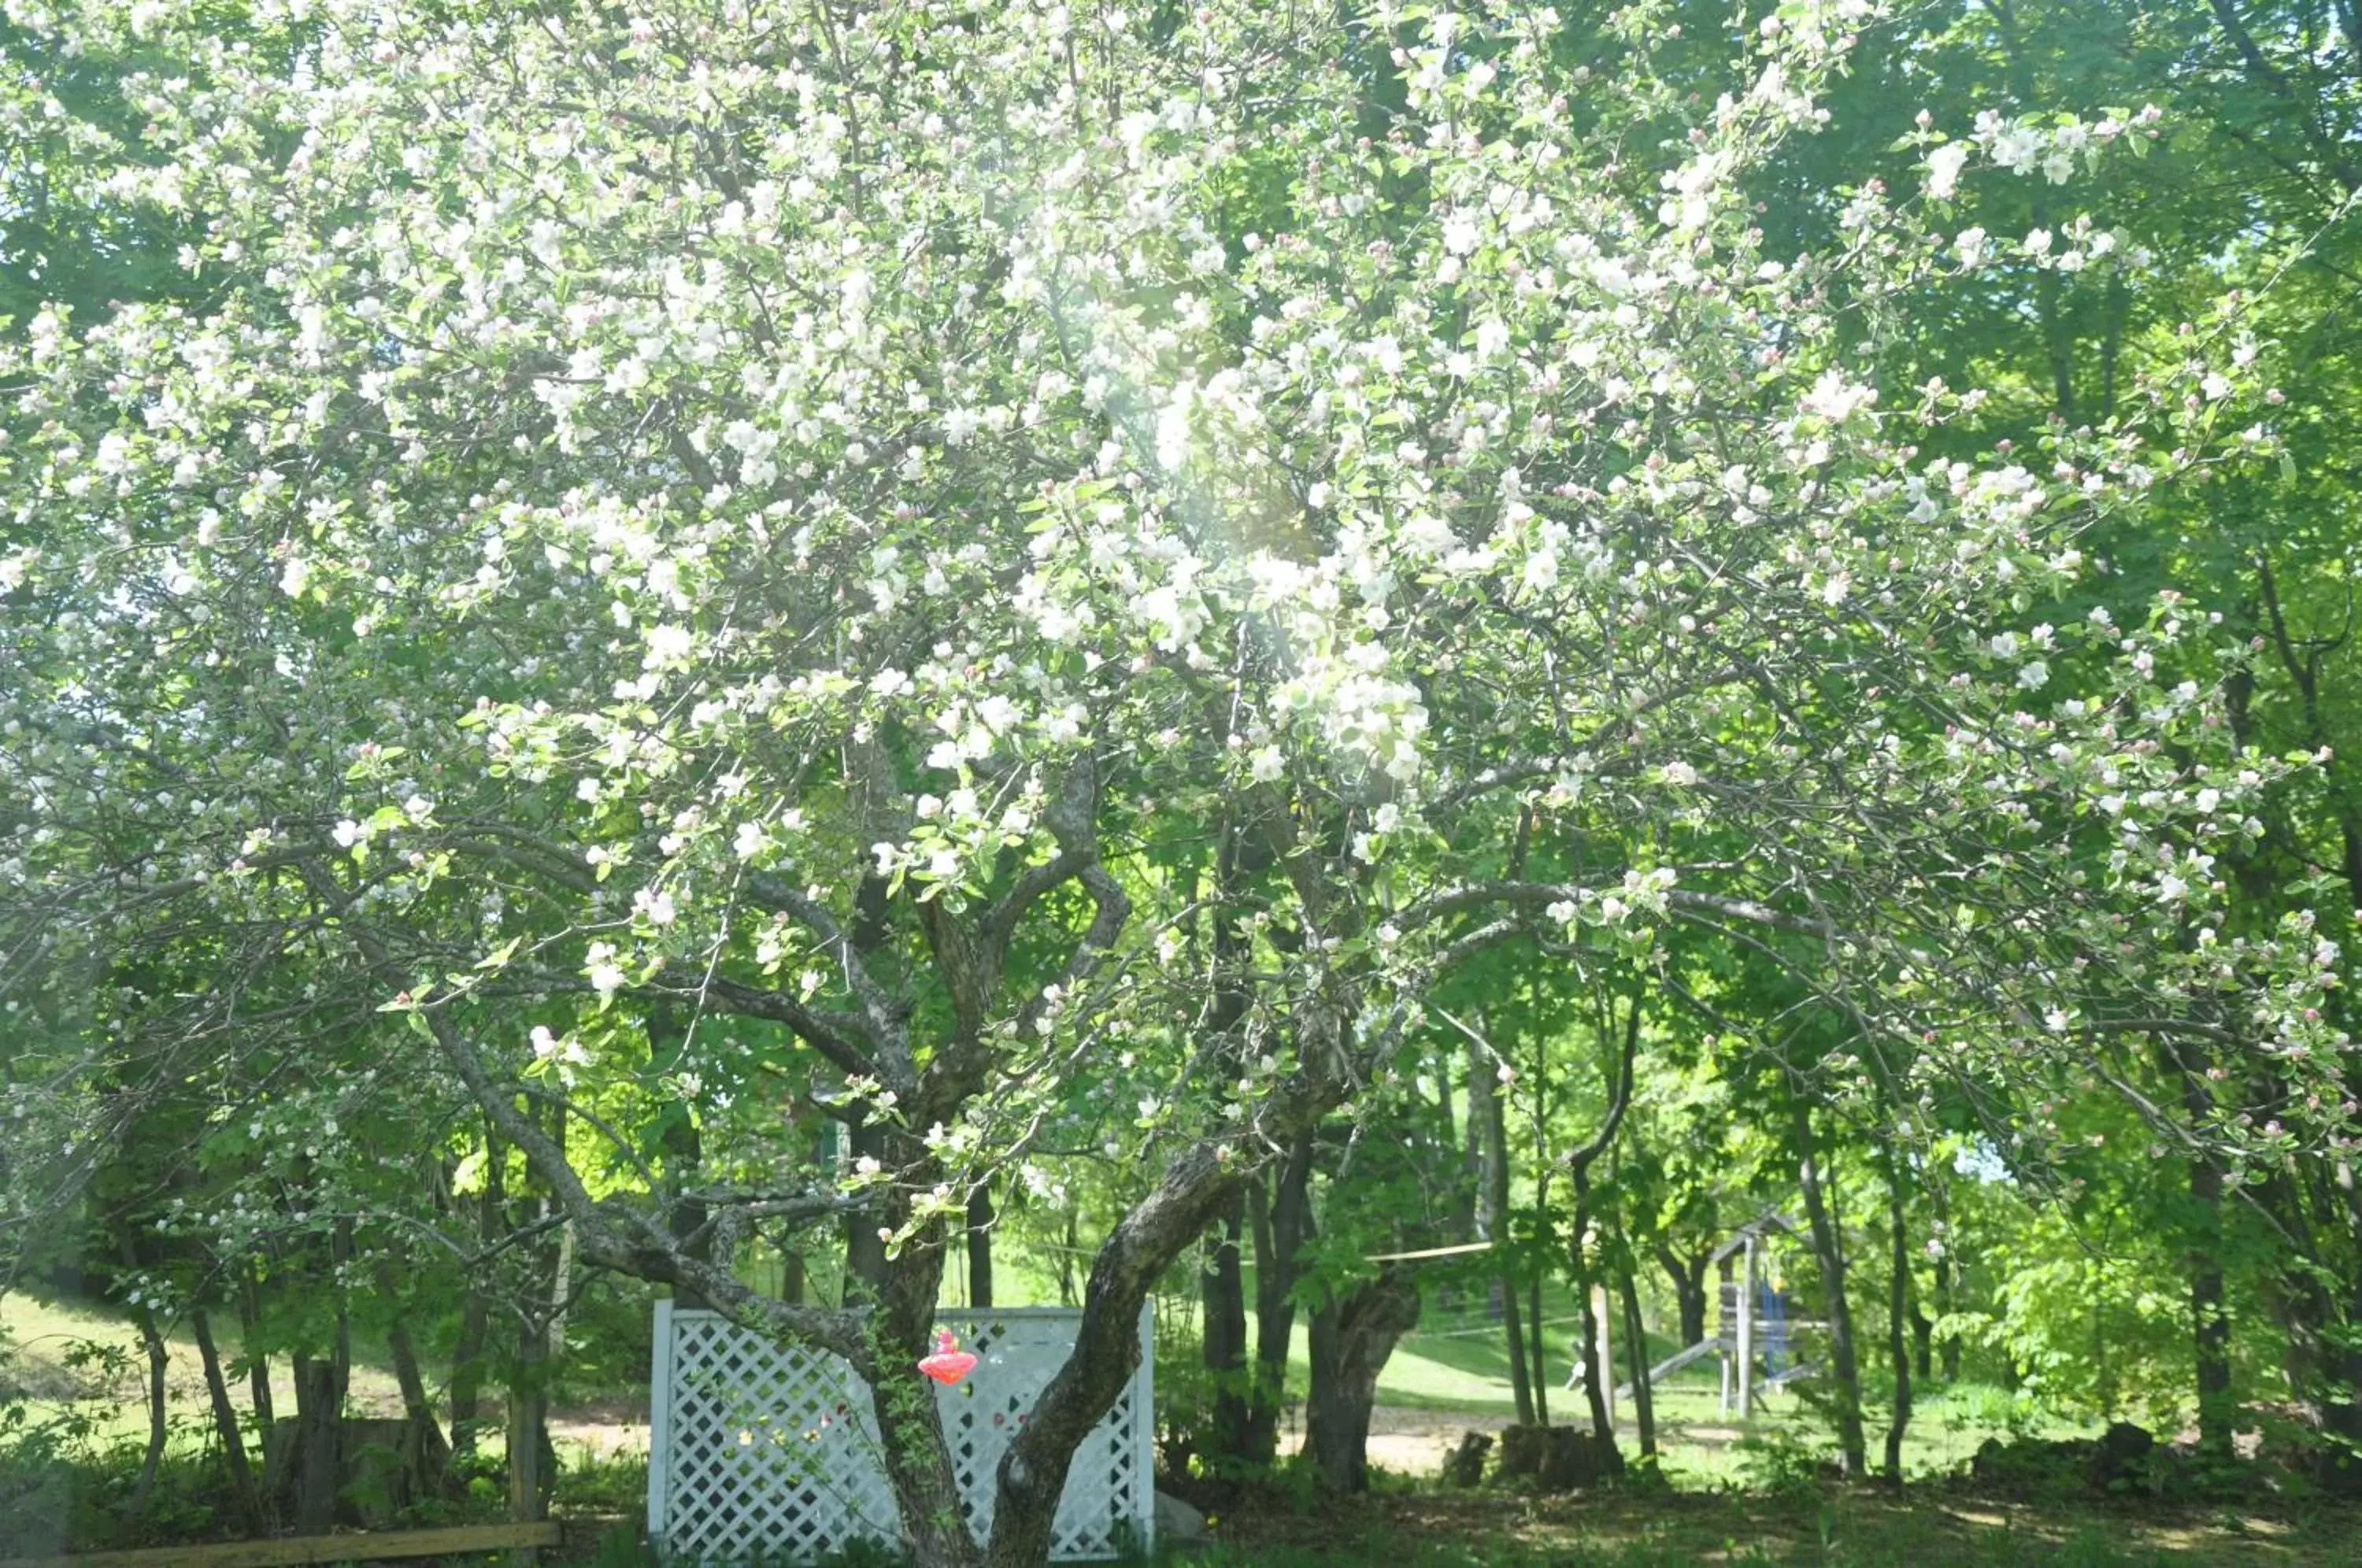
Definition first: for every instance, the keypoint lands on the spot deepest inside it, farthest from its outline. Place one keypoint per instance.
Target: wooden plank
(1461, 1251)
(360, 1546)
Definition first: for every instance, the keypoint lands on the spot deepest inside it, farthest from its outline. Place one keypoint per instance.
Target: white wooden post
(659, 1419)
(1144, 1426)
(1747, 1336)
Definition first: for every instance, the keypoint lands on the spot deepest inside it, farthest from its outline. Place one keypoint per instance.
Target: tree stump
(1464, 1465)
(1521, 1451)
(1570, 1459)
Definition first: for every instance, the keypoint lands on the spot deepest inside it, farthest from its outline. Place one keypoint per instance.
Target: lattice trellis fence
(759, 1449)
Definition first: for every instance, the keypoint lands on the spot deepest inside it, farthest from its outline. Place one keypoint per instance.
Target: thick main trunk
(1281, 1227)
(917, 1458)
(1845, 1371)
(1107, 1350)
(243, 1491)
(1353, 1335)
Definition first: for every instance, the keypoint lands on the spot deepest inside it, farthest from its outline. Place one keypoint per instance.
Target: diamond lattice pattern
(769, 1450)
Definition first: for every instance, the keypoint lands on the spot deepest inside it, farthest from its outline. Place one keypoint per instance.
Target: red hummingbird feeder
(949, 1363)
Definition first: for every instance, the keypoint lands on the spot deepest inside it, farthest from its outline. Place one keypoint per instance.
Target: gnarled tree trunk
(1107, 1350)
(1352, 1334)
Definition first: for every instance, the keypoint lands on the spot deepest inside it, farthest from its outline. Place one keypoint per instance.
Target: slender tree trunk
(1687, 1273)
(1594, 1374)
(980, 1244)
(475, 1310)
(433, 1453)
(2209, 1313)
(684, 1149)
(1535, 1360)
(1222, 1290)
(531, 1457)
(1353, 1335)
(243, 1491)
(1897, 1315)
(151, 1340)
(865, 1250)
(258, 1361)
(1489, 1135)
(1947, 1273)
(1279, 1237)
(1636, 1353)
(1521, 1378)
(1579, 1164)
(1852, 1448)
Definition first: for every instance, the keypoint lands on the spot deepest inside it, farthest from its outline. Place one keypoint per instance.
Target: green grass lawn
(1927, 1528)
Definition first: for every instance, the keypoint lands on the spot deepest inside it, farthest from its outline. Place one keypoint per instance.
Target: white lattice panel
(759, 1449)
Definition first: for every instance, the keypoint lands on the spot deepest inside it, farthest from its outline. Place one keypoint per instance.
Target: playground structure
(1753, 1323)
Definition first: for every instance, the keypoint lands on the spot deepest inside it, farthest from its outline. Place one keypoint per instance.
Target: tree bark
(918, 1460)
(2210, 1318)
(1897, 1315)
(1579, 1164)
(1107, 1350)
(1280, 1234)
(1852, 1448)
(684, 1148)
(1521, 1378)
(319, 1447)
(418, 1404)
(1535, 1362)
(1489, 1126)
(1636, 1351)
(1352, 1334)
(151, 1340)
(243, 1491)
(1687, 1274)
(1595, 1375)
(258, 1361)
(864, 1250)
(475, 1310)
(980, 1244)
(1222, 1300)
(530, 1475)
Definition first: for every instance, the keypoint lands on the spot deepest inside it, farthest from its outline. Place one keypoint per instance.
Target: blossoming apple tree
(1032, 572)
